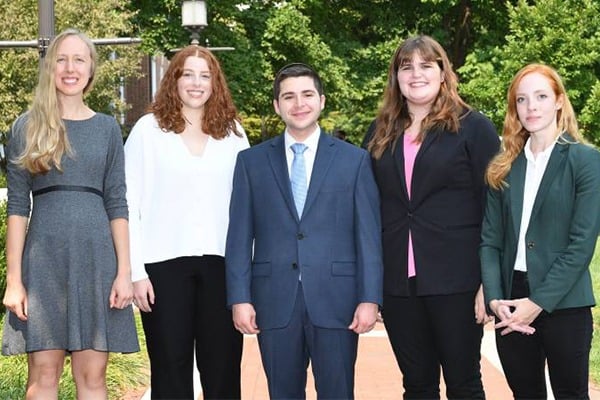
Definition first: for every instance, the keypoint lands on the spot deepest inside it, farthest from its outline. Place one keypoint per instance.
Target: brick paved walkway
(377, 375)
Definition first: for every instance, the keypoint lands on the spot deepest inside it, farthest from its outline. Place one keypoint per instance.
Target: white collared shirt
(536, 166)
(311, 142)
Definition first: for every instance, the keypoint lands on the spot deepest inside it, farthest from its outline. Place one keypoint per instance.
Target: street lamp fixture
(193, 17)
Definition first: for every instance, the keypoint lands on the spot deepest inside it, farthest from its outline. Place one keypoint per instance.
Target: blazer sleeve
(568, 267)
(368, 235)
(483, 144)
(240, 237)
(491, 248)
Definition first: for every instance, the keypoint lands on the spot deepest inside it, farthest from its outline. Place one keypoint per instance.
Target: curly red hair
(220, 114)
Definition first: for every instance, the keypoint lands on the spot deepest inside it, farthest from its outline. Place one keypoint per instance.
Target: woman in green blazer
(539, 232)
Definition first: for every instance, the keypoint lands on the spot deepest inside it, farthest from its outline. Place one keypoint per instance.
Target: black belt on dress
(67, 188)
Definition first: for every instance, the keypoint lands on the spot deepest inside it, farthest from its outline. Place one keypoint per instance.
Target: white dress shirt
(536, 166)
(178, 202)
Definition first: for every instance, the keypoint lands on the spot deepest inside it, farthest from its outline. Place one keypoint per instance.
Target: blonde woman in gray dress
(68, 280)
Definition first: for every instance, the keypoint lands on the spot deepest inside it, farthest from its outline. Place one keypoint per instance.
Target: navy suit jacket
(335, 246)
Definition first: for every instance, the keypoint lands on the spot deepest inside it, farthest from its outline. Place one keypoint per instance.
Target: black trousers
(429, 333)
(562, 338)
(190, 311)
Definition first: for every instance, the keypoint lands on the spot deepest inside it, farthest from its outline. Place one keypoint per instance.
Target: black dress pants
(429, 333)
(190, 312)
(562, 338)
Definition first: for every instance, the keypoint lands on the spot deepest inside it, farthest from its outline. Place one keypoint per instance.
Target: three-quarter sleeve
(114, 191)
(19, 180)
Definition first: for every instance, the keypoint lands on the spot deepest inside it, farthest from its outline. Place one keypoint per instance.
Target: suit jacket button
(530, 245)
(294, 266)
(300, 236)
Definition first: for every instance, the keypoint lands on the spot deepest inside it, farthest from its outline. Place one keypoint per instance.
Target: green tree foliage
(98, 19)
(350, 43)
(560, 33)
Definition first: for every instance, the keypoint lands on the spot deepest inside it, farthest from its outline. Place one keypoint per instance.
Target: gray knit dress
(69, 261)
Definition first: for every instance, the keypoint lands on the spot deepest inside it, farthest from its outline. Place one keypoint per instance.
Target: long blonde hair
(514, 135)
(46, 138)
(393, 117)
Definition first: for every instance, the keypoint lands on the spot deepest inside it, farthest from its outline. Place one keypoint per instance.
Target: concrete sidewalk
(377, 374)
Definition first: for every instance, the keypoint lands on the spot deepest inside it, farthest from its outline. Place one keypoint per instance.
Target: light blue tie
(298, 176)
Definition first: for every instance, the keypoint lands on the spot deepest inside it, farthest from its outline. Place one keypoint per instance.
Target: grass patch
(125, 372)
(595, 353)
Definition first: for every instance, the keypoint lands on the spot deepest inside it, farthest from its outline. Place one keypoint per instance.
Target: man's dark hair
(295, 70)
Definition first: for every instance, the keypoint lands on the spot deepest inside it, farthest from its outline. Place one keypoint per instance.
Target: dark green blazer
(562, 232)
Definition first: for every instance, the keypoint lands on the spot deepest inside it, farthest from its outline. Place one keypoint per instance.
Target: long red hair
(220, 114)
(514, 135)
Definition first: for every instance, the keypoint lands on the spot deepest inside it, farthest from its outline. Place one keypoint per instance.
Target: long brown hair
(514, 134)
(393, 116)
(220, 114)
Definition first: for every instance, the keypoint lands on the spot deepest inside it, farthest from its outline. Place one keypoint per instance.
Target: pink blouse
(411, 148)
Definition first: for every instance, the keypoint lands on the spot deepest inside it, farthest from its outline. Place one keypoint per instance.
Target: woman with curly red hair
(179, 168)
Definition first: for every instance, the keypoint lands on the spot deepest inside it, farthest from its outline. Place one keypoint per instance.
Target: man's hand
(365, 318)
(244, 318)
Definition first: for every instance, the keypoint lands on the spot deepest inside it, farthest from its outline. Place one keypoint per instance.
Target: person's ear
(559, 102)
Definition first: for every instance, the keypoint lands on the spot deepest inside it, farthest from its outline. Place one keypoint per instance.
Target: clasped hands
(515, 315)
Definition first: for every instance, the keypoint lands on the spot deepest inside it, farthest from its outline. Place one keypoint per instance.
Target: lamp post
(46, 33)
(193, 17)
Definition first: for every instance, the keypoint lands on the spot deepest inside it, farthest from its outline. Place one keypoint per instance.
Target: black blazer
(444, 213)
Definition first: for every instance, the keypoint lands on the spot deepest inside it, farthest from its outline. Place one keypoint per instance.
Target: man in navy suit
(304, 270)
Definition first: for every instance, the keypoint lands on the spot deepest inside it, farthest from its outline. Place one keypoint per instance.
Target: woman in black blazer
(430, 151)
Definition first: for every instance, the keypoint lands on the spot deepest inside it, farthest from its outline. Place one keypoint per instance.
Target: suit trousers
(562, 338)
(190, 312)
(429, 333)
(286, 353)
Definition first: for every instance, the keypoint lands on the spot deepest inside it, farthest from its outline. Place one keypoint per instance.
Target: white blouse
(536, 166)
(178, 202)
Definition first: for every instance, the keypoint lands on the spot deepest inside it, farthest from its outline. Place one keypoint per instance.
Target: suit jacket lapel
(279, 166)
(398, 155)
(516, 188)
(555, 164)
(399, 160)
(325, 154)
